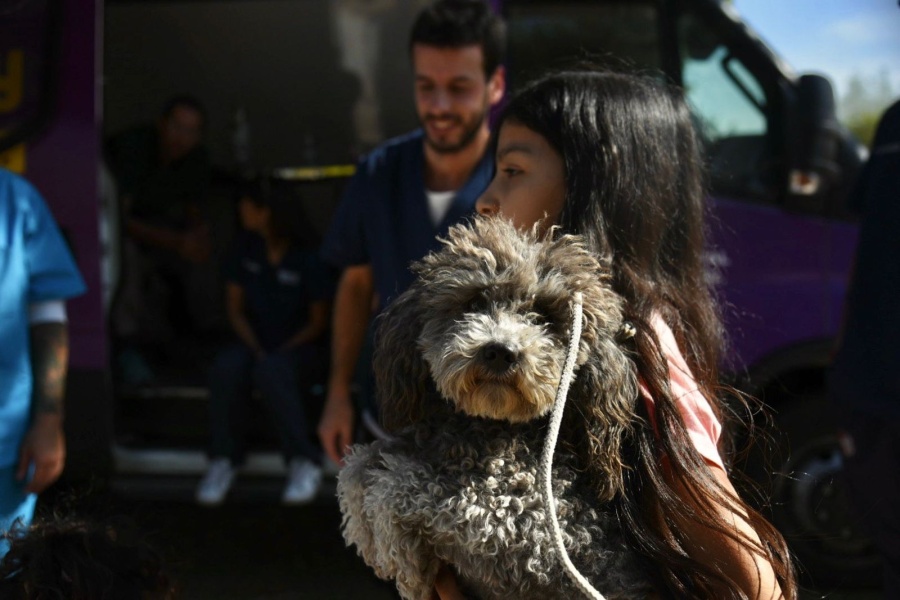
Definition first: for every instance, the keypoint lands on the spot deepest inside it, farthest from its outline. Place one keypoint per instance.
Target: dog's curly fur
(458, 485)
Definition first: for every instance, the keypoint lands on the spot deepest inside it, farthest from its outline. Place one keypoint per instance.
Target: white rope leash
(550, 445)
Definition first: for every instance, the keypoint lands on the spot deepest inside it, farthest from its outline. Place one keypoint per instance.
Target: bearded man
(410, 190)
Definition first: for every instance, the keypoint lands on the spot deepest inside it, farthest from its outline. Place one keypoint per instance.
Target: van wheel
(809, 502)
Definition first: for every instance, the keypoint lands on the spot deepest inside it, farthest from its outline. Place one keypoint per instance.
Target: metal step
(180, 461)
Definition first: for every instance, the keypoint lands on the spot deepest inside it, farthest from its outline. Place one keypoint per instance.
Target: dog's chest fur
(465, 491)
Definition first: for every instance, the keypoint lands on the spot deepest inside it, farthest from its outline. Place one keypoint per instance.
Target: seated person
(278, 298)
(162, 174)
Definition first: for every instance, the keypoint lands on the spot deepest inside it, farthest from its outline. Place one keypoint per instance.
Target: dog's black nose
(497, 358)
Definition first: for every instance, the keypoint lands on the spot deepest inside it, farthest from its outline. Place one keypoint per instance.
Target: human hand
(336, 425)
(446, 587)
(44, 446)
(194, 245)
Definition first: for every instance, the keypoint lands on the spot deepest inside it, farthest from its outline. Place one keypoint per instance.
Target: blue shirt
(35, 266)
(277, 298)
(383, 218)
(866, 372)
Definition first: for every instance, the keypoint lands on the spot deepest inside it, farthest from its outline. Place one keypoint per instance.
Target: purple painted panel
(24, 50)
(843, 237)
(63, 163)
(779, 275)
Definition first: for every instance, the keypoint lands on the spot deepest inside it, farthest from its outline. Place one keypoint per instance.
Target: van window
(730, 109)
(545, 35)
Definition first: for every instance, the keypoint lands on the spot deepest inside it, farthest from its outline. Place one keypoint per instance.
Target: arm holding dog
(750, 570)
(753, 573)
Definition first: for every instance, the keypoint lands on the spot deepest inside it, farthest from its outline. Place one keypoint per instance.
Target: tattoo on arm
(49, 361)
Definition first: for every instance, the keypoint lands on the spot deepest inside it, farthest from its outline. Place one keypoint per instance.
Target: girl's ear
(401, 373)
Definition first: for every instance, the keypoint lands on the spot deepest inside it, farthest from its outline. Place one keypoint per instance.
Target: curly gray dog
(468, 361)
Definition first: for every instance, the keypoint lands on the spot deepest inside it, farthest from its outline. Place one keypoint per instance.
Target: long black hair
(635, 190)
(72, 557)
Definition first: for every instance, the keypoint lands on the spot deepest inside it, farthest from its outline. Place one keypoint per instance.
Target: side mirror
(814, 167)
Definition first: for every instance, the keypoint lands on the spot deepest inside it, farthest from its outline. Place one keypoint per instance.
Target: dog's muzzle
(497, 358)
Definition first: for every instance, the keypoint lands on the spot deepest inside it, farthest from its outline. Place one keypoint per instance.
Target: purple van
(322, 81)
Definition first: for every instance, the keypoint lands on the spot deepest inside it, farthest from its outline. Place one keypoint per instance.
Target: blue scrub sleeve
(52, 273)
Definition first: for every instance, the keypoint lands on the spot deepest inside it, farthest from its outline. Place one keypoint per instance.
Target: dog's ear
(605, 392)
(401, 374)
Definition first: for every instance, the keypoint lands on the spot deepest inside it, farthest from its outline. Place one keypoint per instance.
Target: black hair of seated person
(185, 101)
(289, 217)
(75, 558)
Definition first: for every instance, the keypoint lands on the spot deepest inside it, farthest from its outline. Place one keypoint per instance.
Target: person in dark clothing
(278, 298)
(864, 382)
(37, 275)
(162, 175)
(408, 192)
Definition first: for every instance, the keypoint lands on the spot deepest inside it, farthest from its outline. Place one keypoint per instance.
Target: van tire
(809, 502)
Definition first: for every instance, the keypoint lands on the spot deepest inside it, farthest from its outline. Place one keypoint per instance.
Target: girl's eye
(511, 171)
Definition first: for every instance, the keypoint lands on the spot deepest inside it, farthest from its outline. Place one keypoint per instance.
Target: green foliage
(864, 100)
(863, 126)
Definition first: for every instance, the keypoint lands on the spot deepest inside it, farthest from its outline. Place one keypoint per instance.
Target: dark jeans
(872, 471)
(279, 378)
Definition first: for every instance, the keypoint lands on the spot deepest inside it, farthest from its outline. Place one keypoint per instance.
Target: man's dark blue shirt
(383, 218)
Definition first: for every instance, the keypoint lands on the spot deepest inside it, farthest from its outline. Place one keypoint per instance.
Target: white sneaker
(216, 482)
(303, 482)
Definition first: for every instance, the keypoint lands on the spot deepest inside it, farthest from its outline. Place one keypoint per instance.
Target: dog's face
(500, 354)
(496, 311)
(488, 322)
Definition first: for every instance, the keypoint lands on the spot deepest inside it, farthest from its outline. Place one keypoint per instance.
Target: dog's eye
(544, 311)
(540, 307)
(479, 302)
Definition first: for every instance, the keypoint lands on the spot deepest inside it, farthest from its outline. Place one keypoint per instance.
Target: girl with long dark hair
(615, 159)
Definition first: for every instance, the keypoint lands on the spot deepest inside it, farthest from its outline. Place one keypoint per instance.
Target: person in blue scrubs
(411, 189)
(37, 273)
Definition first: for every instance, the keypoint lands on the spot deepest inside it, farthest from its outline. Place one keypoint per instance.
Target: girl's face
(530, 183)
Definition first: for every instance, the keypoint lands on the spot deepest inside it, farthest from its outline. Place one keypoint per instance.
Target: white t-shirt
(438, 204)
